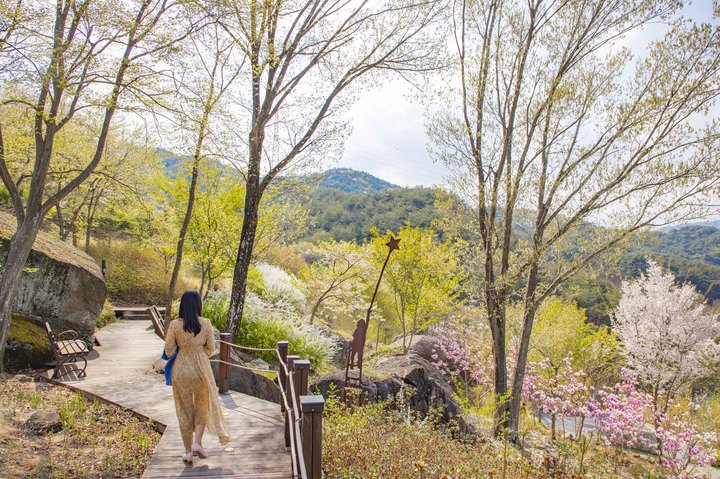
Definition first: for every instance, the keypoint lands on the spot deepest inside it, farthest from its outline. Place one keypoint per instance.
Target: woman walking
(196, 400)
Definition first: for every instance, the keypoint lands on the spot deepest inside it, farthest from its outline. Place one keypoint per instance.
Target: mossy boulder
(60, 284)
(27, 345)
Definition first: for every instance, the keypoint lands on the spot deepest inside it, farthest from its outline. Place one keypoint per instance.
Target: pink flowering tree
(558, 390)
(464, 355)
(667, 334)
(620, 413)
(683, 449)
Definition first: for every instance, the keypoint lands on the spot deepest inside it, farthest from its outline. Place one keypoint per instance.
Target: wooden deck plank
(120, 371)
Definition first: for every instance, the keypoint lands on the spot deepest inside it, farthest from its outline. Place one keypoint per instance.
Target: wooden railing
(302, 411)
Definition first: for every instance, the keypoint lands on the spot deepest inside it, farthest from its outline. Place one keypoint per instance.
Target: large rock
(341, 344)
(425, 385)
(61, 284)
(247, 381)
(422, 345)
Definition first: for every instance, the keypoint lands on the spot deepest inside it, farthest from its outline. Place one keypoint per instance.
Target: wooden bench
(67, 348)
(154, 314)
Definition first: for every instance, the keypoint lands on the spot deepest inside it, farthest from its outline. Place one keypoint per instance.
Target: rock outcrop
(411, 374)
(61, 284)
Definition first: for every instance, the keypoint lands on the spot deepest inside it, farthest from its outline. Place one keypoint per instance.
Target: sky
(388, 138)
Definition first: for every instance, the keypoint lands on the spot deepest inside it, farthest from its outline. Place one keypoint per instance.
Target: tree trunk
(519, 375)
(496, 318)
(92, 207)
(20, 248)
(502, 408)
(244, 257)
(181, 238)
(202, 281)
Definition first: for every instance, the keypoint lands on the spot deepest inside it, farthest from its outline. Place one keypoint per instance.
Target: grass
(383, 441)
(96, 440)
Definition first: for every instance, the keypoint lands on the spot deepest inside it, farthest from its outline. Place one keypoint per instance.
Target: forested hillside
(347, 216)
(692, 253)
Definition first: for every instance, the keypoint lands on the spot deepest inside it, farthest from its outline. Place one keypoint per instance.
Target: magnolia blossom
(557, 390)
(620, 413)
(666, 332)
(462, 353)
(682, 448)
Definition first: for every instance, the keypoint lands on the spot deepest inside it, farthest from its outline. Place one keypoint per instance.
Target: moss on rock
(27, 345)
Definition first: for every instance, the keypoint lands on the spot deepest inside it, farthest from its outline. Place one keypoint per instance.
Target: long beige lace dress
(194, 390)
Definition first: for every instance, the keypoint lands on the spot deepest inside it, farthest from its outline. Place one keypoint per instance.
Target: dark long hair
(190, 309)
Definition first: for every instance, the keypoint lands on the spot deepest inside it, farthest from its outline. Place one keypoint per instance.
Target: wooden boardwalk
(120, 371)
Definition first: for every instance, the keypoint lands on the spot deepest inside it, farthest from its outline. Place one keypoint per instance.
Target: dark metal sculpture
(354, 364)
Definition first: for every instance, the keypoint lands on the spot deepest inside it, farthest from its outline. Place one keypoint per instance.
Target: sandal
(198, 450)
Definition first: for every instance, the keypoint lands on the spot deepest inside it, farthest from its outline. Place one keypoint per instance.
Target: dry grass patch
(91, 440)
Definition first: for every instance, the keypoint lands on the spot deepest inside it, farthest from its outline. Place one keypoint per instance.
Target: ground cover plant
(90, 440)
(383, 441)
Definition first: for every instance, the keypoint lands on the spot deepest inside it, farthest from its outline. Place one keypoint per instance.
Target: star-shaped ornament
(393, 244)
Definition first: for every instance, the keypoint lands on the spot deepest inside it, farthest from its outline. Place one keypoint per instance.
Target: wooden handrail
(302, 412)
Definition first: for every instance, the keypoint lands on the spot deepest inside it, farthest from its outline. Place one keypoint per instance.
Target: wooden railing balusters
(282, 348)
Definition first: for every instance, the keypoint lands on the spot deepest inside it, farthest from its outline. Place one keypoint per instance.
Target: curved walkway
(120, 371)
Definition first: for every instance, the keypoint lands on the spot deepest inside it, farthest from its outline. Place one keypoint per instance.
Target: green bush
(106, 316)
(215, 308)
(263, 327)
(255, 281)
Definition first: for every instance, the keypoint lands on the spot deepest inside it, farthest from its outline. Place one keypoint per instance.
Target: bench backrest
(157, 321)
(52, 338)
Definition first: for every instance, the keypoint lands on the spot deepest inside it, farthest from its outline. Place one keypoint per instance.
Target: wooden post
(312, 410)
(223, 368)
(291, 364)
(282, 347)
(302, 371)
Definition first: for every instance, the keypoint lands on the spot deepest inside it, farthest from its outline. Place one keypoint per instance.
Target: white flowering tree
(667, 332)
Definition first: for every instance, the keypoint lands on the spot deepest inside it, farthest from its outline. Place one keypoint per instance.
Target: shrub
(263, 326)
(135, 274)
(106, 316)
(286, 257)
(255, 281)
(375, 441)
(280, 290)
(215, 308)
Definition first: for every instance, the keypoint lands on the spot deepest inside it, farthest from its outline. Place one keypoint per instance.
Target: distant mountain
(711, 224)
(353, 181)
